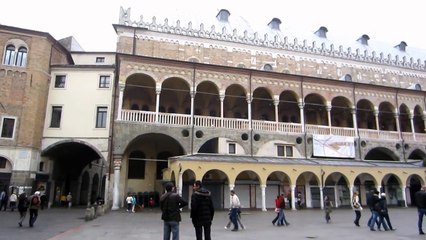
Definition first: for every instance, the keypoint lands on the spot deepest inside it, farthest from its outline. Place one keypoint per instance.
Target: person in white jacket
(234, 204)
(356, 205)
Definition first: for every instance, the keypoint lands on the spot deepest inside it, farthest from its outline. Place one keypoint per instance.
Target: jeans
(233, 217)
(171, 227)
(421, 212)
(374, 219)
(33, 216)
(199, 232)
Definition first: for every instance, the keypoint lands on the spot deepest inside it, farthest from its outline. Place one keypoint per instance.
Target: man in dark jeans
(420, 200)
(202, 211)
(170, 204)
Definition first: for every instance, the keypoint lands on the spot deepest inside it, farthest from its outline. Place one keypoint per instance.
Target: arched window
(9, 55)
(21, 57)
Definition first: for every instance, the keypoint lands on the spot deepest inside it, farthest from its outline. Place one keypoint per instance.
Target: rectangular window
(101, 117)
(55, 121)
(280, 151)
(136, 169)
(284, 151)
(7, 127)
(60, 81)
(289, 151)
(232, 148)
(104, 81)
(100, 59)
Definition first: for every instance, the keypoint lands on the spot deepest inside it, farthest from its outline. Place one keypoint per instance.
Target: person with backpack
(34, 207)
(22, 207)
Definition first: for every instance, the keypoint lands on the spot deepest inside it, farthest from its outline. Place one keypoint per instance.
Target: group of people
(202, 211)
(33, 203)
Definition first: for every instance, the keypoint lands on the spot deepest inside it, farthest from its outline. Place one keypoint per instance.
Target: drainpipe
(304, 122)
(249, 115)
(192, 108)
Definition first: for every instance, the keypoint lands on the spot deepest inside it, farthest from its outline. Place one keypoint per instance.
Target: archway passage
(73, 164)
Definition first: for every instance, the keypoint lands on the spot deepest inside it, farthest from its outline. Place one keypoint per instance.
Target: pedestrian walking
(235, 205)
(22, 207)
(328, 204)
(34, 207)
(375, 217)
(69, 200)
(3, 200)
(129, 201)
(202, 211)
(134, 202)
(281, 207)
(13, 199)
(170, 204)
(384, 213)
(420, 200)
(277, 210)
(356, 206)
(299, 200)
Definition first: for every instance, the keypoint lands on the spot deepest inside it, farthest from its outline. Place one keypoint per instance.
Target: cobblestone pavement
(69, 224)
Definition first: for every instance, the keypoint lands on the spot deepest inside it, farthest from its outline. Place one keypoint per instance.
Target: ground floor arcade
(258, 181)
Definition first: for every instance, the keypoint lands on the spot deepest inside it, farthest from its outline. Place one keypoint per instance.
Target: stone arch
(207, 99)
(419, 123)
(247, 185)
(218, 145)
(288, 108)
(381, 153)
(315, 110)
(387, 117)
(364, 183)
(277, 182)
(414, 183)
(308, 184)
(336, 186)
(341, 112)
(175, 96)
(392, 185)
(139, 92)
(262, 105)
(235, 102)
(365, 114)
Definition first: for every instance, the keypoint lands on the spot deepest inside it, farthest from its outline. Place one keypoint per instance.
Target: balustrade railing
(259, 125)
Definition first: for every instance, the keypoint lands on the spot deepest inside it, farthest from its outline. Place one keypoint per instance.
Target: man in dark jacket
(420, 200)
(202, 211)
(170, 204)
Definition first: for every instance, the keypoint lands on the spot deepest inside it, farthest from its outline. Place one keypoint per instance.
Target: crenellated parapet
(277, 39)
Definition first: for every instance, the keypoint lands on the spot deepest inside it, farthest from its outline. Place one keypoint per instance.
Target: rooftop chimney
(223, 15)
(322, 32)
(364, 39)
(402, 46)
(275, 24)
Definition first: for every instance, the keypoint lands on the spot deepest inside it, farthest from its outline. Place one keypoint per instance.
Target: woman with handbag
(356, 206)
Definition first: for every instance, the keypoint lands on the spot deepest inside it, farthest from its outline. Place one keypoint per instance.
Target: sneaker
(20, 224)
(287, 223)
(421, 233)
(226, 227)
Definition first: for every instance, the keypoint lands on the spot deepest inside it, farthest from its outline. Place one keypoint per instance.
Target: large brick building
(264, 112)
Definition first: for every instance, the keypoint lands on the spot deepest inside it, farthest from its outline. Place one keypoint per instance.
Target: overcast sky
(90, 21)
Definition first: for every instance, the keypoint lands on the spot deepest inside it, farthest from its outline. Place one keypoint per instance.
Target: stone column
(404, 195)
(222, 99)
(398, 127)
(180, 183)
(263, 188)
(321, 197)
(120, 101)
(116, 193)
(89, 192)
(192, 107)
(328, 108)
(157, 103)
(376, 115)
(411, 115)
(354, 120)
(249, 109)
(302, 115)
(293, 197)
